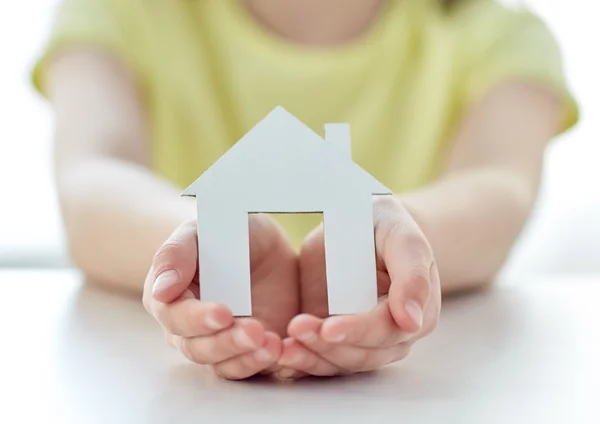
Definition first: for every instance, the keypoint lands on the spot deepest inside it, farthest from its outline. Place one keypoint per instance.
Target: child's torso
(210, 73)
(219, 74)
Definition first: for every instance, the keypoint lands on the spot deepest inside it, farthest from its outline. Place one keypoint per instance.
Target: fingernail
(297, 358)
(165, 280)
(242, 339)
(263, 355)
(213, 323)
(309, 337)
(414, 312)
(336, 338)
(286, 373)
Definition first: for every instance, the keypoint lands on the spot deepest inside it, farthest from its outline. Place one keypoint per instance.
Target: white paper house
(282, 166)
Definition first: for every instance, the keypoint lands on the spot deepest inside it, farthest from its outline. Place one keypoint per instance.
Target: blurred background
(562, 238)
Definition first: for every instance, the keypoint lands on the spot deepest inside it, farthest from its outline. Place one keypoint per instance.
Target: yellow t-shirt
(210, 72)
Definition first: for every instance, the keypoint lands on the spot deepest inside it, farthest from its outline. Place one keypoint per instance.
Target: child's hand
(409, 306)
(207, 333)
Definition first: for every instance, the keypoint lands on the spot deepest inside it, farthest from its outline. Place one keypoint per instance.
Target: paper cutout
(282, 166)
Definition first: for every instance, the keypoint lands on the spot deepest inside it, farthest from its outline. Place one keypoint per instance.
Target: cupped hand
(207, 333)
(409, 304)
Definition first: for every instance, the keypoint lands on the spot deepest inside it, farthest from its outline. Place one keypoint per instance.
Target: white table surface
(522, 353)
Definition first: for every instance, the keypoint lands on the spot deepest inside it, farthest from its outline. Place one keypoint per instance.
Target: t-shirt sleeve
(512, 44)
(113, 26)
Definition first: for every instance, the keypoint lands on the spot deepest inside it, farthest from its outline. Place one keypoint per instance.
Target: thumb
(409, 261)
(174, 265)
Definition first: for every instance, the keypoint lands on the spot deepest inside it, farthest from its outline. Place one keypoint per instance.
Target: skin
(118, 215)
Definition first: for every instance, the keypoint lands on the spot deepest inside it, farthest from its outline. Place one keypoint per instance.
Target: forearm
(472, 219)
(117, 214)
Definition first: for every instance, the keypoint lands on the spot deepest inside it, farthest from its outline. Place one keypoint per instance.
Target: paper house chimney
(339, 135)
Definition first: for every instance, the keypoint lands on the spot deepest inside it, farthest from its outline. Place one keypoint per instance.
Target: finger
(272, 369)
(373, 329)
(290, 373)
(408, 260)
(297, 361)
(249, 364)
(348, 358)
(434, 305)
(188, 317)
(170, 339)
(313, 287)
(321, 358)
(306, 330)
(174, 265)
(247, 336)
